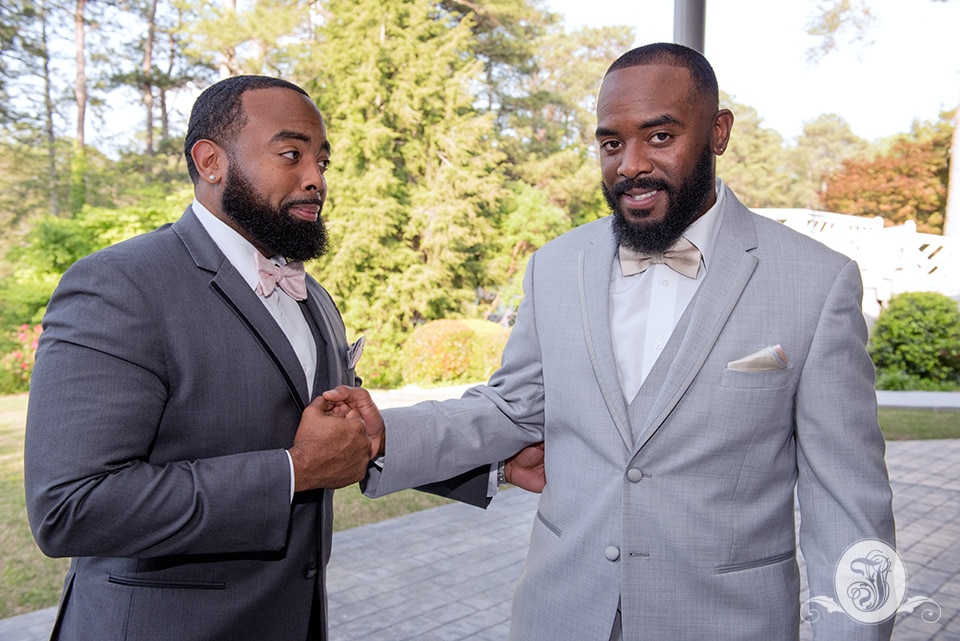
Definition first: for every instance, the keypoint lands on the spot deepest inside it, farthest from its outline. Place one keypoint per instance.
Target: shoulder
(598, 232)
(774, 241)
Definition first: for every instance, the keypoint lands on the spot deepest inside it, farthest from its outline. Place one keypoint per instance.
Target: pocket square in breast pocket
(355, 352)
(768, 358)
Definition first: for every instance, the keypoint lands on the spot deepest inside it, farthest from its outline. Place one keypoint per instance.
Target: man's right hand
(348, 400)
(329, 451)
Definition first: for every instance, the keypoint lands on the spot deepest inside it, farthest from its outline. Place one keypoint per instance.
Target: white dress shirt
(645, 307)
(285, 310)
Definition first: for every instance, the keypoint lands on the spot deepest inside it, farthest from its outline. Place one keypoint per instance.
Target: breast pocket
(769, 379)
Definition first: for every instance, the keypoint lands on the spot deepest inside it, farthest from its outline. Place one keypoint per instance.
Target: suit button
(309, 571)
(634, 475)
(612, 553)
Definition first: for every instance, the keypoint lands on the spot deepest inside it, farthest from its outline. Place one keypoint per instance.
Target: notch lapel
(701, 324)
(331, 349)
(595, 263)
(233, 289)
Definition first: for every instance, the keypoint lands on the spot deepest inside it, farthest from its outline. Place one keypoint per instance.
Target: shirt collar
(238, 250)
(704, 230)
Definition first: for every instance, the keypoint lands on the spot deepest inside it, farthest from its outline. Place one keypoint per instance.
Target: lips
(640, 199)
(305, 211)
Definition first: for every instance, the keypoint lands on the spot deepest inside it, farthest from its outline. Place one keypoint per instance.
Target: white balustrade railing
(892, 260)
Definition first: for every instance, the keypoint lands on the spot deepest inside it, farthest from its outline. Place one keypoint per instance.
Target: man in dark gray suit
(173, 447)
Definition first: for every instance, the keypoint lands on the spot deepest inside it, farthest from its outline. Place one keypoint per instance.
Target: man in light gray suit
(172, 444)
(688, 365)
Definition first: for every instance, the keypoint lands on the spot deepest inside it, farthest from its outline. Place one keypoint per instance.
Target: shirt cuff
(293, 480)
(493, 481)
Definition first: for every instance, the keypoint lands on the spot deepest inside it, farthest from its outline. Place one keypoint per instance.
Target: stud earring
(212, 177)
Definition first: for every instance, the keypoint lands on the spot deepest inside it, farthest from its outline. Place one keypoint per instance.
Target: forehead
(274, 110)
(646, 91)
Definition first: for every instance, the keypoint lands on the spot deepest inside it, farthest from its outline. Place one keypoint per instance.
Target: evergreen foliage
(462, 133)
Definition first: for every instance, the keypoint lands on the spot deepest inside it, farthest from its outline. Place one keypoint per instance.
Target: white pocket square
(769, 358)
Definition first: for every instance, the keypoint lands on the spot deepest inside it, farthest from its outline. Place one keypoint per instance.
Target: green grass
(30, 581)
(906, 424)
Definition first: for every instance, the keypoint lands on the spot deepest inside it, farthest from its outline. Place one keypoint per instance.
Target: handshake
(342, 430)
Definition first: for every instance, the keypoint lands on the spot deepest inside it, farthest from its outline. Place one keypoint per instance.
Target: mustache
(645, 184)
(303, 201)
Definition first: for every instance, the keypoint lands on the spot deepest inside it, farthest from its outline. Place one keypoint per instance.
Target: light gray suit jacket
(678, 507)
(162, 401)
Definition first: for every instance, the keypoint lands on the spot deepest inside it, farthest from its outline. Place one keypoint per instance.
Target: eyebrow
(287, 134)
(659, 121)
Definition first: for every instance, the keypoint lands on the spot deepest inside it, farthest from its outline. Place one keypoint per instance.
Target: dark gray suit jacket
(163, 398)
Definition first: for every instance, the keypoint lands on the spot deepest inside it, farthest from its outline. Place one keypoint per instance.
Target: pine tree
(414, 184)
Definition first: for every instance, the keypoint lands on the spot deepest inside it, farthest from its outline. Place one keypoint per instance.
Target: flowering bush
(447, 352)
(16, 366)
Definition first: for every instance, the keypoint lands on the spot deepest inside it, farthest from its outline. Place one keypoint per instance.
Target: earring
(212, 177)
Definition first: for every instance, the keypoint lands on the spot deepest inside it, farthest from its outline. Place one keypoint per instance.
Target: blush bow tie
(289, 278)
(682, 257)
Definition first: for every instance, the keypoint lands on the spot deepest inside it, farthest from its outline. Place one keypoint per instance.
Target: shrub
(916, 342)
(16, 366)
(444, 352)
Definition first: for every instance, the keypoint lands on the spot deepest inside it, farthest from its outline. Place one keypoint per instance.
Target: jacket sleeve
(843, 488)
(101, 387)
(437, 440)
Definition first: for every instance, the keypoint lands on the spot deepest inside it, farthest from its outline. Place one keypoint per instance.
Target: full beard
(271, 228)
(683, 207)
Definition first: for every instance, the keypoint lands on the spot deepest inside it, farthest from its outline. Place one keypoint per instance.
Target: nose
(313, 180)
(634, 161)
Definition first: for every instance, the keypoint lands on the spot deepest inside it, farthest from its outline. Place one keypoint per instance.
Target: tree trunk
(80, 82)
(147, 87)
(78, 164)
(229, 68)
(51, 135)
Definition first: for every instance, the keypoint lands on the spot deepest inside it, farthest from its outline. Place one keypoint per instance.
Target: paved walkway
(447, 574)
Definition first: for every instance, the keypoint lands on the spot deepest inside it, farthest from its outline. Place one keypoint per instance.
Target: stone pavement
(447, 574)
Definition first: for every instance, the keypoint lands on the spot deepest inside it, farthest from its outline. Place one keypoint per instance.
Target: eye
(323, 164)
(660, 137)
(611, 145)
(293, 154)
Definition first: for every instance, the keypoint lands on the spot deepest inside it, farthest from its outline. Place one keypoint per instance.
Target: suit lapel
(595, 263)
(695, 335)
(234, 290)
(330, 353)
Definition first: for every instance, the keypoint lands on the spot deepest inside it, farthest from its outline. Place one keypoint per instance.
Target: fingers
(526, 468)
(329, 451)
(343, 398)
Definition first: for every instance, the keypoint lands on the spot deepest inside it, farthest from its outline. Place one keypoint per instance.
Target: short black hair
(217, 114)
(704, 78)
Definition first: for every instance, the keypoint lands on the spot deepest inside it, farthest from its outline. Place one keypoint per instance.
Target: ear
(210, 160)
(722, 125)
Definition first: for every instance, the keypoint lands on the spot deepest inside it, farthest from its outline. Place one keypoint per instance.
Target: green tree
(414, 184)
(548, 132)
(262, 37)
(826, 142)
(756, 165)
(54, 243)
